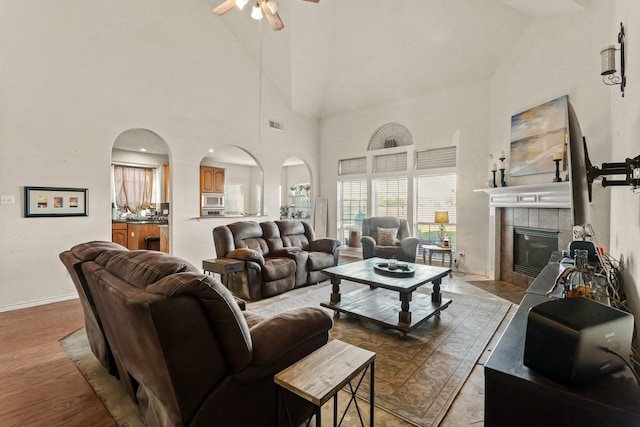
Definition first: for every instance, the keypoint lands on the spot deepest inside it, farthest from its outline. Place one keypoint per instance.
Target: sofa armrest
(409, 244)
(245, 254)
(284, 338)
(368, 243)
(324, 245)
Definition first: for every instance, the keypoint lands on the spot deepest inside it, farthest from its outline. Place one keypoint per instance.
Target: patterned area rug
(417, 377)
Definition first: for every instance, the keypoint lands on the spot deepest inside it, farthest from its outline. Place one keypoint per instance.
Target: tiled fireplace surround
(543, 206)
(549, 219)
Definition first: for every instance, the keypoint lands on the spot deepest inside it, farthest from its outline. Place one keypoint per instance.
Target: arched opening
(295, 190)
(140, 190)
(231, 183)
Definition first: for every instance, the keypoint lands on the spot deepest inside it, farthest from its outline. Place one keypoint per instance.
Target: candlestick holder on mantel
(502, 172)
(494, 179)
(557, 178)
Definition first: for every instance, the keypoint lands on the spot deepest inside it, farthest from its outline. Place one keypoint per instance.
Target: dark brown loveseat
(185, 352)
(278, 256)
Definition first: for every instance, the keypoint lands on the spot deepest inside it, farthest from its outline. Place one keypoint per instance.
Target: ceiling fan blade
(313, 1)
(224, 7)
(273, 18)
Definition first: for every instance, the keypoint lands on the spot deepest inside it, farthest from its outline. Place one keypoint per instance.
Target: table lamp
(442, 217)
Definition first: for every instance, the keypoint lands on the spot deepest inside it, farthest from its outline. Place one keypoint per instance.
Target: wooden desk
(322, 374)
(517, 396)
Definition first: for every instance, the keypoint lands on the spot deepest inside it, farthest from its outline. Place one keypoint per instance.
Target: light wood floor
(39, 385)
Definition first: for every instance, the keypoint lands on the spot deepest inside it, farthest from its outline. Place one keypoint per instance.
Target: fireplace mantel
(553, 195)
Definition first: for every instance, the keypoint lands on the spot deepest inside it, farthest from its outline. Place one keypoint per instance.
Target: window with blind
(435, 190)
(437, 158)
(352, 206)
(390, 163)
(352, 166)
(390, 197)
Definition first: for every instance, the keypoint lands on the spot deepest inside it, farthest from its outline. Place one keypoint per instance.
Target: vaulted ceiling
(336, 56)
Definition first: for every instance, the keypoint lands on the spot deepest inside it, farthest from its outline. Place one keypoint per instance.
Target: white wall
(625, 143)
(76, 75)
(454, 116)
(557, 56)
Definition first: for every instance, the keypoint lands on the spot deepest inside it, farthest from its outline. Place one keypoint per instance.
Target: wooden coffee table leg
(405, 314)
(436, 296)
(335, 289)
(335, 294)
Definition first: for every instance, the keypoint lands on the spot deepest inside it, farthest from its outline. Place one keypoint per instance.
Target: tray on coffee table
(402, 270)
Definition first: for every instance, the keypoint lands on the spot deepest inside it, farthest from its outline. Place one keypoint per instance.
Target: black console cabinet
(517, 396)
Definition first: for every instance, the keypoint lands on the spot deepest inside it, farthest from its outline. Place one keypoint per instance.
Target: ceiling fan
(268, 8)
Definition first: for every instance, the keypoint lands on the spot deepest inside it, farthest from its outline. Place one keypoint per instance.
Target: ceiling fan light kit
(256, 12)
(262, 8)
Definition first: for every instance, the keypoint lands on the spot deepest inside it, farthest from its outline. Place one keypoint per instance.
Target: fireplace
(532, 248)
(533, 206)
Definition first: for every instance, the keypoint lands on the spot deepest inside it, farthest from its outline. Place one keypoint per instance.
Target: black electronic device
(584, 245)
(582, 173)
(579, 166)
(566, 339)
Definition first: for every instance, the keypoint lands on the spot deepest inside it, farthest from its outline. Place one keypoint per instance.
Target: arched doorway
(242, 182)
(140, 190)
(295, 190)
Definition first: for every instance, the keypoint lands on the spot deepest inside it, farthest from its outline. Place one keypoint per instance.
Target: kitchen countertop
(142, 221)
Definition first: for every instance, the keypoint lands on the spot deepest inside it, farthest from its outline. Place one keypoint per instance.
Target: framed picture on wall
(52, 201)
(538, 135)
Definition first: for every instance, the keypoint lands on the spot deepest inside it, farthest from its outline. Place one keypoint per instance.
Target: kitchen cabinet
(164, 238)
(119, 233)
(136, 232)
(211, 180)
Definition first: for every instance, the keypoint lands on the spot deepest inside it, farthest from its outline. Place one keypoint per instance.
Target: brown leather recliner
(399, 244)
(317, 253)
(188, 353)
(278, 256)
(267, 271)
(72, 260)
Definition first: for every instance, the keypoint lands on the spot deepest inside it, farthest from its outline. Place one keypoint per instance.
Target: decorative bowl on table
(401, 270)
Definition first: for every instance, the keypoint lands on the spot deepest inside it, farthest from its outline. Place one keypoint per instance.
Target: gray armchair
(388, 237)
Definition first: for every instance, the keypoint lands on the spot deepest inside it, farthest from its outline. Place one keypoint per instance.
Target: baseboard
(37, 302)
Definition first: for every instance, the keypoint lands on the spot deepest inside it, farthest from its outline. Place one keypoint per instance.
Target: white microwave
(212, 201)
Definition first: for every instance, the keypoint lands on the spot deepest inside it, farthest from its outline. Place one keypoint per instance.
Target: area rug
(115, 399)
(417, 377)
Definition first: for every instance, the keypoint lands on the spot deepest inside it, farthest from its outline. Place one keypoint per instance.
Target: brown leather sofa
(185, 351)
(278, 256)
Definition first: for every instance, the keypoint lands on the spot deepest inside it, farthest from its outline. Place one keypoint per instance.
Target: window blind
(390, 163)
(352, 206)
(352, 166)
(436, 158)
(390, 195)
